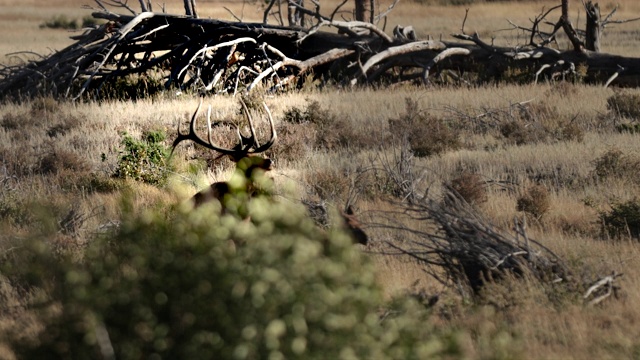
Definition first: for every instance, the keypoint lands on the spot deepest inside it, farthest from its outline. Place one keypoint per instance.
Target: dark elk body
(218, 190)
(353, 225)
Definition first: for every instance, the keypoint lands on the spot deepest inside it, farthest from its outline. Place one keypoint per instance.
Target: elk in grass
(353, 226)
(246, 155)
(348, 221)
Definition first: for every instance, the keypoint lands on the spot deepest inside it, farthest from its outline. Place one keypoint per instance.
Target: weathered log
(190, 53)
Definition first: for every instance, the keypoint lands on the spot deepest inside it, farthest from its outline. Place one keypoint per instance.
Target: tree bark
(294, 15)
(363, 10)
(592, 41)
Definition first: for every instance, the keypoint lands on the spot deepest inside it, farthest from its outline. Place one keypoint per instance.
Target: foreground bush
(196, 285)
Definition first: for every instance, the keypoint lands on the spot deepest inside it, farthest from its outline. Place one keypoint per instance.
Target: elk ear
(349, 210)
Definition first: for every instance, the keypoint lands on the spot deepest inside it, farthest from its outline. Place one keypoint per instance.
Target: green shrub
(175, 287)
(144, 160)
(623, 220)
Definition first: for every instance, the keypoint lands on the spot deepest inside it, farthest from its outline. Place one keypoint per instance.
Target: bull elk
(245, 155)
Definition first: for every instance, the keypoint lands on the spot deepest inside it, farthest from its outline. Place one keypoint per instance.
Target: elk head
(245, 154)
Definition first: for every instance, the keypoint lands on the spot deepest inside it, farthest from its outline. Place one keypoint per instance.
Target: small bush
(45, 106)
(471, 187)
(537, 112)
(58, 160)
(144, 160)
(625, 105)
(19, 159)
(329, 183)
(535, 202)
(426, 134)
(21, 123)
(614, 163)
(15, 210)
(623, 220)
(517, 132)
(295, 141)
(67, 124)
(295, 115)
(88, 183)
(332, 132)
(90, 21)
(571, 131)
(60, 22)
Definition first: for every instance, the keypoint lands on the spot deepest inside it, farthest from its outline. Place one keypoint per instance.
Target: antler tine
(272, 127)
(193, 136)
(254, 139)
(181, 137)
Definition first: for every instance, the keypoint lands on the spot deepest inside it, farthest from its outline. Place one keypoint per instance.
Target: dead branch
(443, 55)
(472, 251)
(188, 53)
(601, 289)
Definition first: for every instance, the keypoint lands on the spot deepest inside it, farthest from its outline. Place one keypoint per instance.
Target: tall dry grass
(89, 135)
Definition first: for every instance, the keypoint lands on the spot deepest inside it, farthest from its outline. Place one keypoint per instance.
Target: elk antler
(246, 146)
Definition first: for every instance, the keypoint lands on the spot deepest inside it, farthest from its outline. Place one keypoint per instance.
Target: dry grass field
(562, 139)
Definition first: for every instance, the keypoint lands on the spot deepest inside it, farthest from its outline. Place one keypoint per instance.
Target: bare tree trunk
(143, 6)
(593, 26)
(372, 10)
(187, 8)
(294, 15)
(193, 8)
(363, 8)
(190, 8)
(569, 29)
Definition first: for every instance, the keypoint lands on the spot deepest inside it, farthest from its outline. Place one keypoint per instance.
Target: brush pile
(461, 249)
(137, 54)
(464, 249)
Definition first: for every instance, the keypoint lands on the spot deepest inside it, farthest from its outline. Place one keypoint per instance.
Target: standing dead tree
(190, 53)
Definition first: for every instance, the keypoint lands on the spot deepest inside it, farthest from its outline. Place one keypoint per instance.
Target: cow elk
(353, 226)
(245, 155)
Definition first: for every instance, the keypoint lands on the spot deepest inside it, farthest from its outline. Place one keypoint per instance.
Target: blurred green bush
(191, 284)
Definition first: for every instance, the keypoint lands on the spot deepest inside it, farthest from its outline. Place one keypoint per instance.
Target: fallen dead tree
(460, 249)
(189, 53)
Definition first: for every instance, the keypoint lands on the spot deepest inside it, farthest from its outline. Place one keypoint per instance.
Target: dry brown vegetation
(563, 155)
